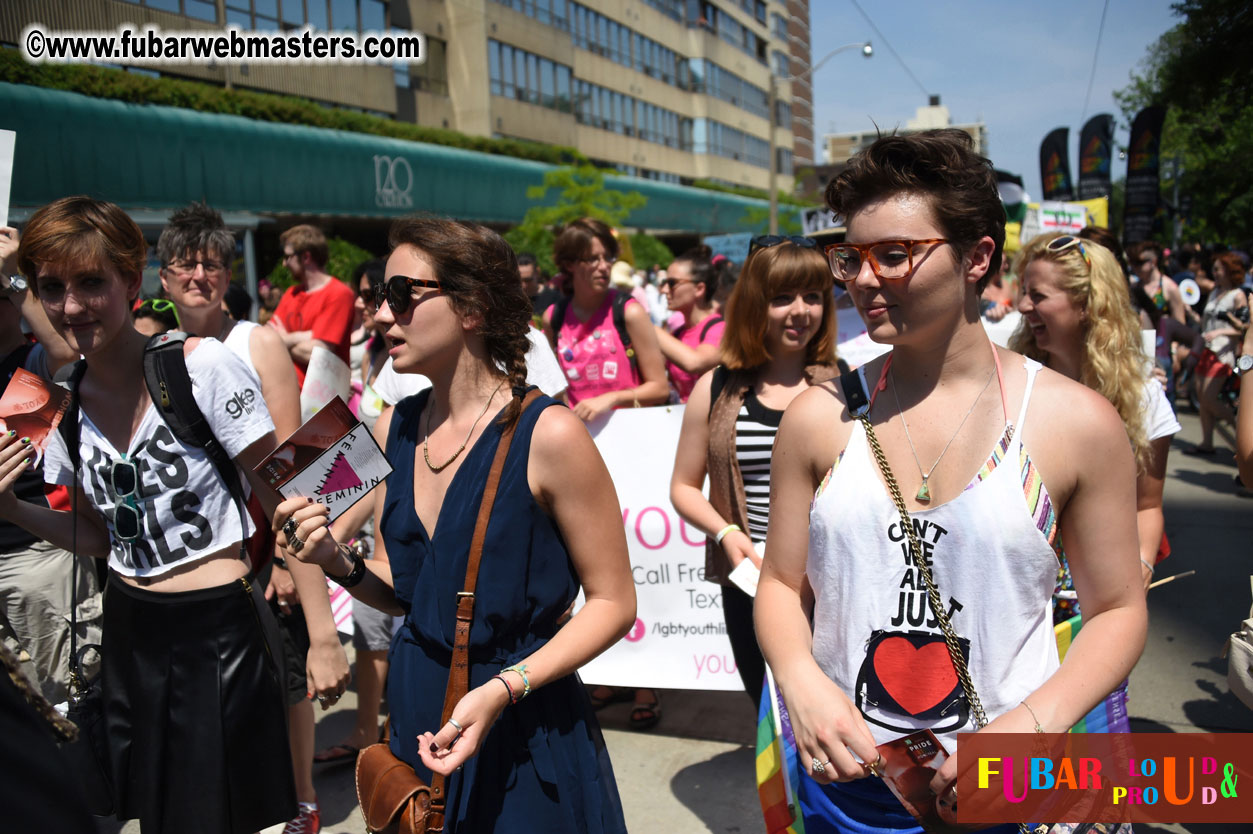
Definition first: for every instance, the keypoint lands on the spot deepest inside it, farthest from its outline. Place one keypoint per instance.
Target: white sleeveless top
(239, 342)
(992, 556)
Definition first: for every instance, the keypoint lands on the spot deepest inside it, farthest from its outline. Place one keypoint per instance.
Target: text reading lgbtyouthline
(1104, 777)
(132, 45)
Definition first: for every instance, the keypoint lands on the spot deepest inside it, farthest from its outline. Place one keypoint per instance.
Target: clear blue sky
(1021, 68)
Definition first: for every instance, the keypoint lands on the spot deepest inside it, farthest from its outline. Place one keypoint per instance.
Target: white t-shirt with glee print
(187, 512)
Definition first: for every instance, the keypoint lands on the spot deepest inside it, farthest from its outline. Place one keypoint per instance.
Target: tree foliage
(1200, 70)
(581, 192)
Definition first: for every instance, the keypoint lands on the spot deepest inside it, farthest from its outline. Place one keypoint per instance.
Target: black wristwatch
(355, 575)
(1244, 364)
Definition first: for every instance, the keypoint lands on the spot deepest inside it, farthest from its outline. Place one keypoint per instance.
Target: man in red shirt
(319, 309)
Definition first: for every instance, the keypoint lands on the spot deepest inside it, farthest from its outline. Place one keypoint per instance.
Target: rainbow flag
(1109, 716)
(777, 769)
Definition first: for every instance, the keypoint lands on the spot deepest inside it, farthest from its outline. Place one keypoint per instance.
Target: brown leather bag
(393, 799)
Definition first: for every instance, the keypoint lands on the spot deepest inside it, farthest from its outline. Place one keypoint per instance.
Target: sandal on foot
(338, 753)
(602, 696)
(645, 716)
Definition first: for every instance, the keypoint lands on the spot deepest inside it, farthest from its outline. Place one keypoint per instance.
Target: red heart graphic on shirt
(917, 679)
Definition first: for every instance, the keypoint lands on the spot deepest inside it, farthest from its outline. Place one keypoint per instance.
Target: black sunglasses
(397, 291)
(766, 241)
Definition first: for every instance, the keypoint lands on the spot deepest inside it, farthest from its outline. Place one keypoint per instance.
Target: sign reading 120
(393, 182)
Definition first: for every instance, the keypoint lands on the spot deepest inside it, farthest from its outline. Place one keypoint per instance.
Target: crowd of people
(477, 378)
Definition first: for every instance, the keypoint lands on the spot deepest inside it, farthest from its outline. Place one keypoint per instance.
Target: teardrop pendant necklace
(923, 495)
(426, 455)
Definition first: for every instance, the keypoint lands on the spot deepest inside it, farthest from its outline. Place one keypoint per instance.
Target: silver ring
(819, 766)
(453, 722)
(295, 545)
(289, 528)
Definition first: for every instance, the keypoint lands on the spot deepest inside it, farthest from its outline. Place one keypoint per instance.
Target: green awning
(149, 157)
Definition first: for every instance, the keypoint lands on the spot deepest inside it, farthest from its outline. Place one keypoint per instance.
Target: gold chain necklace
(427, 436)
(924, 492)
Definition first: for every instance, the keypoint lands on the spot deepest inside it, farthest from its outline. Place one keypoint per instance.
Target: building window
(517, 74)
(431, 76)
(205, 10)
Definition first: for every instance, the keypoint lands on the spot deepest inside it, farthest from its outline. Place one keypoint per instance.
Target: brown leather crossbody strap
(459, 670)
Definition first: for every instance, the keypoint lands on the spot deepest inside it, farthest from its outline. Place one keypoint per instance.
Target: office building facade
(671, 90)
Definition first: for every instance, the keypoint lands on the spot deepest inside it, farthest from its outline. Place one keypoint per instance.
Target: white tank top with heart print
(991, 551)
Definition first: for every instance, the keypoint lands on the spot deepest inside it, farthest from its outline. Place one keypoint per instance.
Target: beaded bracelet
(526, 682)
(508, 688)
(722, 534)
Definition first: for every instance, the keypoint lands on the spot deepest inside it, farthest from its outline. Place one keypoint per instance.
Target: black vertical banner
(1143, 170)
(1095, 144)
(1055, 165)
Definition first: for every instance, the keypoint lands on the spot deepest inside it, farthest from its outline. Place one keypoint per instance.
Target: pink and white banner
(679, 640)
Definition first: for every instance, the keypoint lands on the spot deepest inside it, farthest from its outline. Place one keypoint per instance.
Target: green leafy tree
(1199, 70)
(580, 192)
(649, 250)
(758, 220)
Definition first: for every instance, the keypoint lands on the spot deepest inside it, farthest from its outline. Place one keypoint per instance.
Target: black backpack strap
(854, 393)
(620, 300)
(709, 322)
(169, 385)
(716, 383)
(558, 317)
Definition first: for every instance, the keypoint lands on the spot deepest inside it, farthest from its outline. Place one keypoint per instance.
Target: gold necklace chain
(924, 491)
(426, 455)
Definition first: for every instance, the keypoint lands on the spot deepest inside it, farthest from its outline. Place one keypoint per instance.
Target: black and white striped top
(755, 428)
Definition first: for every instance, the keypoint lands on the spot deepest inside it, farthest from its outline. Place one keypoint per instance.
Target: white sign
(326, 377)
(7, 141)
(679, 639)
(343, 474)
(816, 220)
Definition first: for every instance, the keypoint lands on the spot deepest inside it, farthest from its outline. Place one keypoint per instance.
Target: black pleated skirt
(197, 721)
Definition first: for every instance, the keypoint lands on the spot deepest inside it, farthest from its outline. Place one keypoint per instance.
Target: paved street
(694, 772)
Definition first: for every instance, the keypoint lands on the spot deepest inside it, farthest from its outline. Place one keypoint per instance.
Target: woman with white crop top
(193, 704)
(995, 457)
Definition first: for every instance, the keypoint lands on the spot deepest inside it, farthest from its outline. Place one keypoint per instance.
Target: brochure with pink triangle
(332, 458)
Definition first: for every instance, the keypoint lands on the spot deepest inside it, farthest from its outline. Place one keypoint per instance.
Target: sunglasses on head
(124, 481)
(1066, 242)
(397, 291)
(766, 241)
(163, 305)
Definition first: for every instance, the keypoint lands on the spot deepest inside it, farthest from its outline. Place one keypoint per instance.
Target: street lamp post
(771, 103)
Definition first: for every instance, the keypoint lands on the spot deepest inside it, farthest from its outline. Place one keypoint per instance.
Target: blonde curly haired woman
(1078, 320)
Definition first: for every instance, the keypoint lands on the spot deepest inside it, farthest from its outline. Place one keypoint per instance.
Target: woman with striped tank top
(779, 340)
(995, 457)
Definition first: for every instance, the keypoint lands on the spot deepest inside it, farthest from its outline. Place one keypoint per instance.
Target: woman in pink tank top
(601, 371)
(689, 286)
(859, 654)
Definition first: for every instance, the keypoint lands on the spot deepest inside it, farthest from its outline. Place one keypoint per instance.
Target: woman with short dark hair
(919, 504)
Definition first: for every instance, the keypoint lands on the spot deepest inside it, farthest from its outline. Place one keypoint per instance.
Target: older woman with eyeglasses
(914, 505)
(195, 743)
(605, 342)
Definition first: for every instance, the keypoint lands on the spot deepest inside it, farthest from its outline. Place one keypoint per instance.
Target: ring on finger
(295, 545)
(873, 767)
(289, 528)
(458, 727)
(819, 766)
